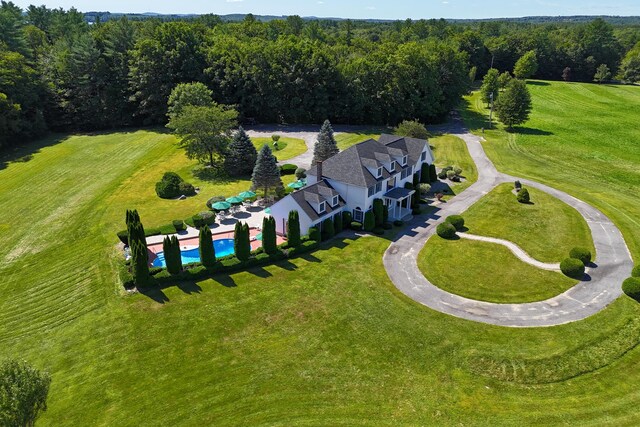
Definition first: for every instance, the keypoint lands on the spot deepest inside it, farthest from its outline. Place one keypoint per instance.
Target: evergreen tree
(293, 229)
(514, 106)
(416, 180)
(205, 245)
(241, 243)
(378, 212)
(490, 85)
(433, 174)
(269, 238)
(328, 230)
(369, 221)
(337, 224)
(140, 263)
(326, 145)
(425, 177)
(526, 66)
(266, 174)
(172, 255)
(242, 155)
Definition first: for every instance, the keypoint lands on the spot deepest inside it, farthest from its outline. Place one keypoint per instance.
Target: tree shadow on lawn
(155, 293)
(536, 83)
(26, 153)
(531, 131)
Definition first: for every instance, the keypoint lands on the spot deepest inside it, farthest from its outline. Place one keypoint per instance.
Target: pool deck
(190, 241)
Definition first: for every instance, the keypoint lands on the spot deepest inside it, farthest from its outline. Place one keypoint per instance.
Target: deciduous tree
(23, 393)
(514, 105)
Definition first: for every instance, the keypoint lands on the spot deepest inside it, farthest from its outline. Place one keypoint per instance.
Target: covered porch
(398, 202)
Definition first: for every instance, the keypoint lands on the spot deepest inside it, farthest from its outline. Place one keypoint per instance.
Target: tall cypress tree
(337, 223)
(241, 243)
(172, 255)
(266, 174)
(326, 145)
(269, 238)
(242, 155)
(293, 229)
(378, 212)
(207, 251)
(140, 263)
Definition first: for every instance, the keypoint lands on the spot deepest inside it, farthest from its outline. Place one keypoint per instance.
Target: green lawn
(324, 339)
(452, 151)
(346, 140)
(287, 147)
(487, 272)
(547, 229)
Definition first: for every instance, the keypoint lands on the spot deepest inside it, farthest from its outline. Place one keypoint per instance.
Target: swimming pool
(223, 247)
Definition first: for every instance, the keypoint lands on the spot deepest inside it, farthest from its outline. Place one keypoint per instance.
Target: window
(357, 214)
(404, 161)
(379, 172)
(406, 172)
(335, 201)
(322, 207)
(371, 191)
(393, 166)
(378, 187)
(423, 157)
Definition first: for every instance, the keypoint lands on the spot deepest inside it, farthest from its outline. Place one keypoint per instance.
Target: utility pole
(491, 112)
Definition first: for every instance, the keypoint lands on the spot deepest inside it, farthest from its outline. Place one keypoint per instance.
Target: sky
(358, 9)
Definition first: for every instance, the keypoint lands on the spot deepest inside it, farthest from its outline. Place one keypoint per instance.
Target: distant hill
(614, 20)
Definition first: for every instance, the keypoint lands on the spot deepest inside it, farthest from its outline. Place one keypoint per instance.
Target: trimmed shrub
(631, 287)
(337, 224)
(288, 169)
(293, 229)
(456, 220)
(398, 223)
(378, 231)
(123, 236)
(446, 230)
(369, 221)
(523, 196)
(314, 234)
(416, 180)
(424, 189)
(573, 268)
(457, 170)
(241, 242)
(269, 237)
(582, 254)
(208, 217)
(172, 256)
(328, 230)
(636, 271)
(451, 175)
(425, 175)
(346, 219)
(378, 212)
(355, 225)
(215, 199)
(517, 185)
(178, 224)
(442, 174)
(301, 173)
(169, 186)
(433, 175)
(207, 250)
(187, 189)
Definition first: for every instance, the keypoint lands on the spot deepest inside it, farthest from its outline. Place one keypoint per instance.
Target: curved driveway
(601, 286)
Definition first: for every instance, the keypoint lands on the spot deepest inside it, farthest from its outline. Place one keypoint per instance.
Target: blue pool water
(223, 247)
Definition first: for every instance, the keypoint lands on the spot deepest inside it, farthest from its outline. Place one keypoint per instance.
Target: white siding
(280, 212)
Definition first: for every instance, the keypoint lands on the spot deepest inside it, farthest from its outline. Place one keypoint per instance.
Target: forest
(60, 73)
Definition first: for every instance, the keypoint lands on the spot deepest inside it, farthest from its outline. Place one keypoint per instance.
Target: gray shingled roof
(398, 193)
(350, 166)
(318, 192)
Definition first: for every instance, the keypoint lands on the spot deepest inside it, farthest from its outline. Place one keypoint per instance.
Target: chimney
(319, 164)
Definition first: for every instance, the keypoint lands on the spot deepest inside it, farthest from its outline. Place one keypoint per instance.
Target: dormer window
(322, 207)
(404, 161)
(393, 166)
(379, 172)
(424, 156)
(334, 202)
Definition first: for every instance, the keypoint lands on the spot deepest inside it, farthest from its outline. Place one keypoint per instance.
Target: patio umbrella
(221, 206)
(247, 194)
(268, 211)
(235, 200)
(296, 185)
(259, 236)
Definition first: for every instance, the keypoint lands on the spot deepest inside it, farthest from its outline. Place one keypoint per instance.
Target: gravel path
(600, 287)
(517, 251)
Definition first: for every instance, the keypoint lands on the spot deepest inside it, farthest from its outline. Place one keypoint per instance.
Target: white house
(353, 178)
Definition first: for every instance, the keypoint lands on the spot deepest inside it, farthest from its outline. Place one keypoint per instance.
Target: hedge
(288, 169)
(369, 221)
(573, 268)
(636, 271)
(582, 254)
(631, 287)
(446, 230)
(456, 220)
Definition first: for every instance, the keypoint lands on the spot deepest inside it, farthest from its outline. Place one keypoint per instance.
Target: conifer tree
(293, 229)
(337, 224)
(140, 263)
(425, 176)
(172, 256)
(328, 230)
(433, 174)
(378, 212)
(241, 243)
(205, 246)
(269, 242)
(266, 174)
(326, 145)
(242, 155)
(369, 221)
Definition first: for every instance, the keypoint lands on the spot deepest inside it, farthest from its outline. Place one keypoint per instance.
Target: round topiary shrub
(207, 217)
(636, 271)
(572, 267)
(167, 189)
(456, 220)
(355, 225)
(631, 287)
(446, 230)
(178, 224)
(301, 173)
(288, 169)
(442, 174)
(582, 254)
(523, 196)
(187, 189)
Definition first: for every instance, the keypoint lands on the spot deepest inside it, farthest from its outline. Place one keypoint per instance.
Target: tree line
(59, 73)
